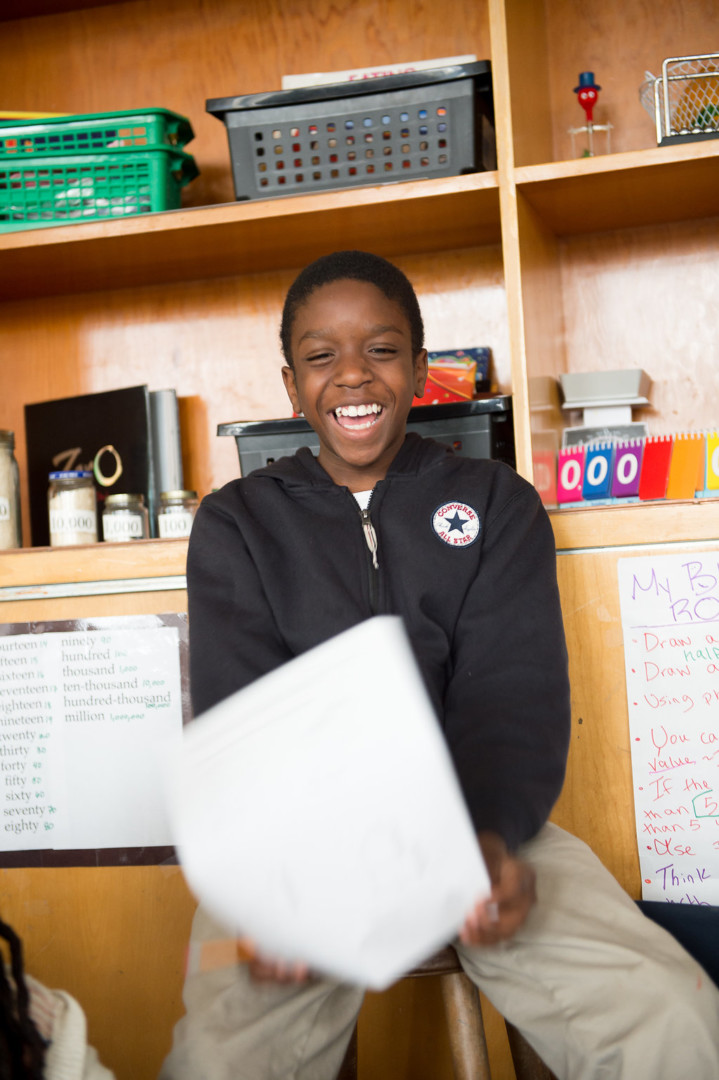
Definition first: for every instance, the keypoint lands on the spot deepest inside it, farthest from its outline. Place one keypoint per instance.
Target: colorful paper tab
(712, 461)
(570, 474)
(686, 470)
(627, 468)
(598, 471)
(545, 475)
(655, 467)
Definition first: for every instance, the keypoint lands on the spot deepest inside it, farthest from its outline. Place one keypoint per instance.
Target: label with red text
(670, 620)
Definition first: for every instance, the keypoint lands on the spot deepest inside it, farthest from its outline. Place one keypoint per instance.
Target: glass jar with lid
(72, 507)
(124, 517)
(176, 513)
(10, 525)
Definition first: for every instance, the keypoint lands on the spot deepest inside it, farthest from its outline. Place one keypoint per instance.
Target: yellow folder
(712, 460)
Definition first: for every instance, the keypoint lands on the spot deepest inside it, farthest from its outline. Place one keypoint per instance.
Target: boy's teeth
(358, 410)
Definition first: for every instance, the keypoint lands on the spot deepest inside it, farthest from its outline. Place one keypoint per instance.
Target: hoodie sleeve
(507, 715)
(233, 634)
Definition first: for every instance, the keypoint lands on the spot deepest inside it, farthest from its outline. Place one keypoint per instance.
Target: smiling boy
(354, 368)
(385, 522)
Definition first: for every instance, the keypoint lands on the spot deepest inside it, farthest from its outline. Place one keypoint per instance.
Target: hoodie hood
(302, 469)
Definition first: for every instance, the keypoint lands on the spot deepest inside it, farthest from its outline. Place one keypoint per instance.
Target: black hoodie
(280, 562)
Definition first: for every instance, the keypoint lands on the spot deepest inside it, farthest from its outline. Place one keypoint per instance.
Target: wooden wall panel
(646, 298)
(113, 937)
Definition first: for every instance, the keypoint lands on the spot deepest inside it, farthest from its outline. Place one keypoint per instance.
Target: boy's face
(354, 378)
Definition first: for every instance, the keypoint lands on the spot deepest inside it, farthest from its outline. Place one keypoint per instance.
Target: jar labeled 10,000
(124, 517)
(10, 533)
(72, 508)
(176, 513)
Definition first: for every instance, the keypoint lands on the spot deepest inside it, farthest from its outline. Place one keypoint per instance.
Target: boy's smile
(354, 377)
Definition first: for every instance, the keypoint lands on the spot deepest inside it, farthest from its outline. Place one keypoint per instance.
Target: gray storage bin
(477, 429)
(438, 122)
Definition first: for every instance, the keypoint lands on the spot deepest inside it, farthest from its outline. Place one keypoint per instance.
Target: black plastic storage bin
(477, 429)
(438, 122)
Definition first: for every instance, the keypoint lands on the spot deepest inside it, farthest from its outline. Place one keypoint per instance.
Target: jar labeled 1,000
(124, 517)
(72, 508)
(177, 510)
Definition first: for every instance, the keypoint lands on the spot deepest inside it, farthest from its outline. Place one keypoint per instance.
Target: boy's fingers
(512, 897)
(263, 969)
(494, 852)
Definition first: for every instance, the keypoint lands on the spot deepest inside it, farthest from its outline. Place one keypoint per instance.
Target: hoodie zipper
(370, 536)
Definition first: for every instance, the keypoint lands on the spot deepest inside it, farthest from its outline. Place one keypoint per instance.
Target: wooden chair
(465, 1027)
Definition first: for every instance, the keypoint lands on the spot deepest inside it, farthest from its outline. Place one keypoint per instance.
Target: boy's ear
(288, 378)
(420, 373)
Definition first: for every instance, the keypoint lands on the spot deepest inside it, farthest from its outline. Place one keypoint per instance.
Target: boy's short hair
(357, 266)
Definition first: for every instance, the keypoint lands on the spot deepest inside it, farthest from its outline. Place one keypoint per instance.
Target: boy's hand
(265, 969)
(513, 894)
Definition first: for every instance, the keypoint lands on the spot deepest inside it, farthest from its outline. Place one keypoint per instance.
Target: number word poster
(670, 620)
(89, 711)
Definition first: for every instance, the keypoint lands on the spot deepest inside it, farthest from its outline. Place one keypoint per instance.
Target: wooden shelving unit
(558, 265)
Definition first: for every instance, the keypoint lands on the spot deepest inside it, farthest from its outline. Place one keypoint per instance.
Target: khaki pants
(599, 991)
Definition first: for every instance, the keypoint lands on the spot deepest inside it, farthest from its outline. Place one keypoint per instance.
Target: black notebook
(109, 433)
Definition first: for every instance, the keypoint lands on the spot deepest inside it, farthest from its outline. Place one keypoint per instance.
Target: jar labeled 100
(176, 513)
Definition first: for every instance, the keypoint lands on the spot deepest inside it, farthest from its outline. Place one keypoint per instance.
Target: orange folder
(686, 471)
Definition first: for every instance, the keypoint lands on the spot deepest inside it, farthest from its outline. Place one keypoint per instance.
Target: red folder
(655, 467)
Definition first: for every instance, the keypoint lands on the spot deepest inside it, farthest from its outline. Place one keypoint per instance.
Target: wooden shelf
(639, 523)
(27, 9)
(98, 562)
(617, 191)
(250, 237)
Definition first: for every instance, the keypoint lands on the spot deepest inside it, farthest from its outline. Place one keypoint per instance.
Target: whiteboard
(670, 620)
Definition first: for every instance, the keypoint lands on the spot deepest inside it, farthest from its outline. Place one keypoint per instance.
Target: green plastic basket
(93, 133)
(87, 187)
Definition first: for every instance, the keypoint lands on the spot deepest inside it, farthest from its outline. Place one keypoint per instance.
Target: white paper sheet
(87, 718)
(318, 813)
(670, 618)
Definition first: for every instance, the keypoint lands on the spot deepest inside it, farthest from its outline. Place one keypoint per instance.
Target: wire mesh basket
(684, 100)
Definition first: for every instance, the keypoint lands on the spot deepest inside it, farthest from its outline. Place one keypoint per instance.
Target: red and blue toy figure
(587, 93)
